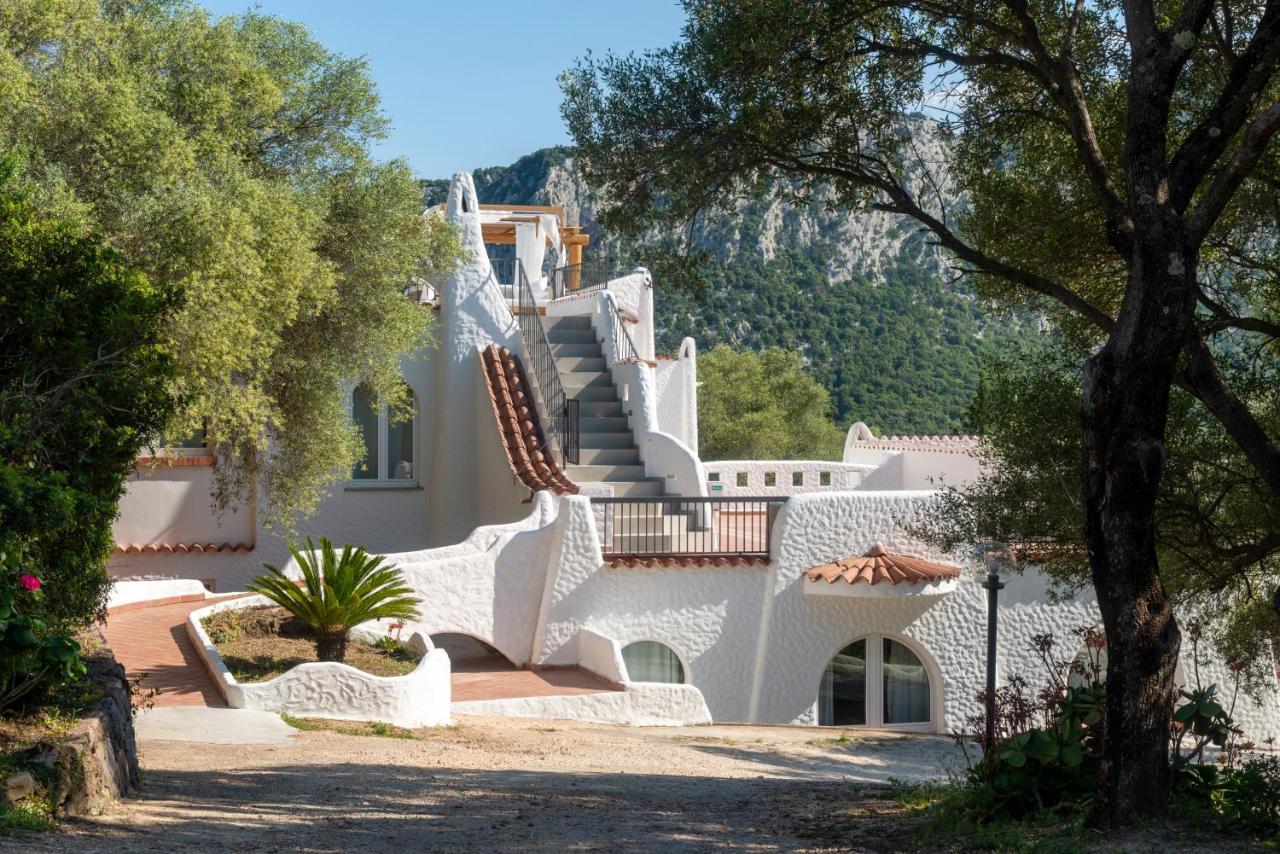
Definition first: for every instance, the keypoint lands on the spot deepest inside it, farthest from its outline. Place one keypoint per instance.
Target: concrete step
(598, 409)
(584, 351)
(610, 424)
(615, 440)
(575, 321)
(596, 393)
(609, 456)
(587, 379)
(573, 364)
(571, 335)
(629, 489)
(605, 473)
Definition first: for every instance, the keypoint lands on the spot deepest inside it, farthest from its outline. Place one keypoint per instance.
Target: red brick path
(153, 641)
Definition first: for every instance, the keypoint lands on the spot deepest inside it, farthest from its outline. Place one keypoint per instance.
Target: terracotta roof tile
(522, 435)
(659, 561)
(180, 548)
(878, 565)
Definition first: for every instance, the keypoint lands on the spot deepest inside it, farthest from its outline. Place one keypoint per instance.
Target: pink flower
(29, 581)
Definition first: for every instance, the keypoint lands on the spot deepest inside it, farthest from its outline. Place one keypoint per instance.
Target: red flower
(29, 581)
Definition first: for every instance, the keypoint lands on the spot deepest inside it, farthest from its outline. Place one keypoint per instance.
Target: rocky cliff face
(863, 296)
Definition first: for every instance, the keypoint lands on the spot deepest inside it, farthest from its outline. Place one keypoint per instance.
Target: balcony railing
(561, 411)
(584, 278)
(686, 527)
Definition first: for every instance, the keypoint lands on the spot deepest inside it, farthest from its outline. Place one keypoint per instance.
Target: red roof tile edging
(518, 422)
(660, 561)
(878, 565)
(180, 548)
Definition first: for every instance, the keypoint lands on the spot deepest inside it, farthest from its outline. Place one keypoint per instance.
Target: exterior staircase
(607, 453)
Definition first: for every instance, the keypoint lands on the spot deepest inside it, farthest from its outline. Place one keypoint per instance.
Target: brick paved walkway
(153, 641)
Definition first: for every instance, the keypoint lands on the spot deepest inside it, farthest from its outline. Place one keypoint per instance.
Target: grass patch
(374, 729)
(25, 818)
(842, 740)
(257, 644)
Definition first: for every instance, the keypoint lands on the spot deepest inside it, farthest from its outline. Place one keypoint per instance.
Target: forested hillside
(863, 298)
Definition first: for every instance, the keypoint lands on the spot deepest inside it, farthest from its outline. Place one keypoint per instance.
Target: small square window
(713, 476)
(797, 478)
(824, 478)
(742, 478)
(770, 478)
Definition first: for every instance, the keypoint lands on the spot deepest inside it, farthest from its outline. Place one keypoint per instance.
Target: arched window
(650, 661)
(388, 439)
(875, 681)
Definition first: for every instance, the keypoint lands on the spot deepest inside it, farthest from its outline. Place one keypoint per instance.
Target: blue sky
(470, 84)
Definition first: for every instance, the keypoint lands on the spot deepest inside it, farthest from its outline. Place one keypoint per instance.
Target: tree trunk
(1126, 395)
(331, 646)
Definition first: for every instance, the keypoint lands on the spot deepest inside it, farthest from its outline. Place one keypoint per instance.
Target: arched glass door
(875, 681)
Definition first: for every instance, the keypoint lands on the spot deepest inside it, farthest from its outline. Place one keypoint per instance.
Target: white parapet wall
(325, 689)
(783, 477)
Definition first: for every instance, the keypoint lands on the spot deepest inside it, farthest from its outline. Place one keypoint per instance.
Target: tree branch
(1223, 186)
(1246, 81)
(1201, 377)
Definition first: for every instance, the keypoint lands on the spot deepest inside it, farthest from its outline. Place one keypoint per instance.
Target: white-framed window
(389, 443)
(650, 661)
(876, 681)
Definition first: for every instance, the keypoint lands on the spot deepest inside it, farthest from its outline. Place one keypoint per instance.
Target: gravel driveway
(490, 784)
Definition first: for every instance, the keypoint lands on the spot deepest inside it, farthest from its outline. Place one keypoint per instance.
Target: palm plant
(338, 591)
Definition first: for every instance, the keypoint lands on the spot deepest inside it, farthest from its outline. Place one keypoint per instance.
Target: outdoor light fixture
(995, 555)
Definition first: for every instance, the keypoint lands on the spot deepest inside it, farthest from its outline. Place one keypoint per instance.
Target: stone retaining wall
(94, 765)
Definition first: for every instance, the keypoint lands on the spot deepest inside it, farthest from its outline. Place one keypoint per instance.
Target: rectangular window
(713, 476)
(771, 478)
(365, 413)
(742, 478)
(824, 478)
(400, 449)
(797, 478)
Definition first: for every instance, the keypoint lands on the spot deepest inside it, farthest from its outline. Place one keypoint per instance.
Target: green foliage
(761, 406)
(84, 381)
(1249, 800)
(1211, 502)
(34, 659)
(230, 160)
(338, 591)
(1042, 767)
(897, 346)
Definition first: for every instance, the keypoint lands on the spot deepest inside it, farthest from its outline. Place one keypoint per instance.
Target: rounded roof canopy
(877, 566)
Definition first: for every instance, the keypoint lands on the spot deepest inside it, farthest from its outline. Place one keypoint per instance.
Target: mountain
(864, 297)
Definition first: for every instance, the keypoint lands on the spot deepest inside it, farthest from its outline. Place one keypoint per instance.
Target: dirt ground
(507, 785)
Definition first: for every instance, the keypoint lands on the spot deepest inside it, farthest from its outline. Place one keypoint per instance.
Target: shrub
(84, 383)
(33, 659)
(1249, 799)
(338, 591)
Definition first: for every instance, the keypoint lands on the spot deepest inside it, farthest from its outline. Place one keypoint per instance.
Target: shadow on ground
(372, 807)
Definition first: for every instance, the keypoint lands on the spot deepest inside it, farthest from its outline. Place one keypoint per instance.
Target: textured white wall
(676, 384)
(844, 476)
(326, 689)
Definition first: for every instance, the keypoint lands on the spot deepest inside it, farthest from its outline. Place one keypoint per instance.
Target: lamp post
(994, 554)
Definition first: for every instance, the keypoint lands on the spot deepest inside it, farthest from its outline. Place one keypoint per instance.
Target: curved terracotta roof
(518, 421)
(180, 548)
(878, 565)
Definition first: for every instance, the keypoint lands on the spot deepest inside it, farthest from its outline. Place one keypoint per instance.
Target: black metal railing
(678, 526)
(561, 410)
(504, 270)
(591, 275)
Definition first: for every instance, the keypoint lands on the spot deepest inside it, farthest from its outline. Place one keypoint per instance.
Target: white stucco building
(548, 499)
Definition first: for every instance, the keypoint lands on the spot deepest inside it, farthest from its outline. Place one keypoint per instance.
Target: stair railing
(624, 346)
(561, 410)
